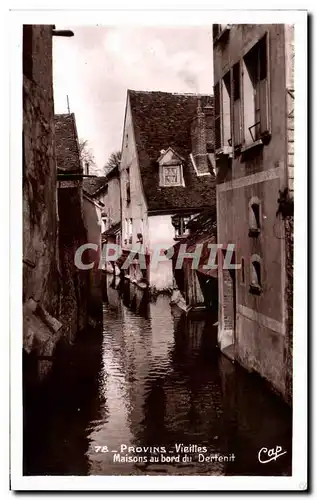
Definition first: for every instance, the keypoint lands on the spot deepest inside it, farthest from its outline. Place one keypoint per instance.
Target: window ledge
(254, 232)
(253, 145)
(255, 289)
(184, 236)
(171, 185)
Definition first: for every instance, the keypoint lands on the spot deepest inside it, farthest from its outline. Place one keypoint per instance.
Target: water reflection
(160, 382)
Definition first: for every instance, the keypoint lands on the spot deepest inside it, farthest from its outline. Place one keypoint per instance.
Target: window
(217, 117)
(127, 231)
(255, 88)
(128, 190)
(236, 94)
(226, 109)
(222, 94)
(171, 175)
(180, 224)
(254, 216)
(130, 229)
(256, 275)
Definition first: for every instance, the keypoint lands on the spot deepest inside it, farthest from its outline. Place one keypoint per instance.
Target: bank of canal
(153, 378)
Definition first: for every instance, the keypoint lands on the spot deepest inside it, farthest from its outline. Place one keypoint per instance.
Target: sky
(97, 66)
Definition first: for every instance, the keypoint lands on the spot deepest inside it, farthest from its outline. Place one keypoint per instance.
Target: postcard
(163, 340)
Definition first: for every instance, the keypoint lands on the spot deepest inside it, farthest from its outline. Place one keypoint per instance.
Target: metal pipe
(63, 33)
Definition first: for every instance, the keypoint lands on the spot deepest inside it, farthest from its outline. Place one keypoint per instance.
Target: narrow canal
(153, 378)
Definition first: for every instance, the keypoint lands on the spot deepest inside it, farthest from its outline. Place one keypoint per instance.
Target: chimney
(199, 140)
(209, 116)
(86, 172)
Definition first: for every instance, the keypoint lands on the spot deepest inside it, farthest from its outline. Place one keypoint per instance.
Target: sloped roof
(203, 231)
(162, 120)
(66, 144)
(94, 185)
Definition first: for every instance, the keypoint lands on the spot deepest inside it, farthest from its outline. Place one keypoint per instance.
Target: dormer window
(171, 175)
(171, 168)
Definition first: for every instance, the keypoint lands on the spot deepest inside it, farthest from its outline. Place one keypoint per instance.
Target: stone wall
(40, 275)
(41, 278)
(75, 282)
(54, 290)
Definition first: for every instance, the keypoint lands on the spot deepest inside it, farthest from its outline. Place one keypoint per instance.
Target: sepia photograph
(158, 177)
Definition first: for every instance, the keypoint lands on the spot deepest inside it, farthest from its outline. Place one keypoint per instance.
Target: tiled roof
(66, 144)
(94, 185)
(162, 120)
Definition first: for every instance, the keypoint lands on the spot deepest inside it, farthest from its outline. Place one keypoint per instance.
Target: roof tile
(162, 120)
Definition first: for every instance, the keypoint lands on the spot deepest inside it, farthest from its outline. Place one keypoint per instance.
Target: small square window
(171, 175)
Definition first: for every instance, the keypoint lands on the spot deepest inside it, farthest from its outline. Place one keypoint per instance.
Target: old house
(104, 192)
(76, 303)
(254, 134)
(197, 286)
(166, 176)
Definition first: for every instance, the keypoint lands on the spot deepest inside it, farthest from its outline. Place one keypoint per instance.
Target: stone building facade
(254, 92)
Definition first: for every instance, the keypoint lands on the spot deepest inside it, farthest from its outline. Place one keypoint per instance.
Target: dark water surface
(153, 377)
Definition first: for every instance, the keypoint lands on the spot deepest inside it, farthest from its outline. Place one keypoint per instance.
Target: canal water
(148, 390)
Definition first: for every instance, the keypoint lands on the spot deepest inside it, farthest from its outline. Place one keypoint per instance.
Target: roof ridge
(170, 93)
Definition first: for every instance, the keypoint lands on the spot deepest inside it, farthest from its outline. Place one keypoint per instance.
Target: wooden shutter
(261, 89)
(218, 138)
(236, 95)
(263, 102)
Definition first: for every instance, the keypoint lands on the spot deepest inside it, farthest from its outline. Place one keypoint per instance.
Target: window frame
(251, 85)
(128, 186)
(237, 106)
(180, 179)
(256, 268)
(255, 229)
(223, 113)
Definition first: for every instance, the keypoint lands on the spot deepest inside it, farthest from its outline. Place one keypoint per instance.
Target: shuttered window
(237, 123)
(226, 110)
(128, 188)
(217, 116)
(256, 63)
